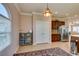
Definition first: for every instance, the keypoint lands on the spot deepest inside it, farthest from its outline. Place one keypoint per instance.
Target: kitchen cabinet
(61, 23)
(55, 37)
(56, 24)
(75, 39)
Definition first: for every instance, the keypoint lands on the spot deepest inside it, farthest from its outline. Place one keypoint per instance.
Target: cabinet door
(78, 46)
(55, 37)
(55, 24)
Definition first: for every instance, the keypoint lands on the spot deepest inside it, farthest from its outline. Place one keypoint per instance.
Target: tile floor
(62, 45)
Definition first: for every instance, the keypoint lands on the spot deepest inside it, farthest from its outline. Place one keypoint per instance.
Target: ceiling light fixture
(47, 12)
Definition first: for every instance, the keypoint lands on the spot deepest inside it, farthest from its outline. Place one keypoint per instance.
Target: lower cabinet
(78, 46)
(55, 37)
(75, 46)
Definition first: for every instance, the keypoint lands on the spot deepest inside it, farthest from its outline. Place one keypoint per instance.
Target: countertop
(75, 35)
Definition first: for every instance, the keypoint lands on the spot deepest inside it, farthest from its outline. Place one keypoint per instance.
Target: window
(76, 29)
(3, 11)
(5, 28)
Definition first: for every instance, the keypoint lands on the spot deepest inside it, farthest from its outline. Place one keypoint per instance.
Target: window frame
(6, 33)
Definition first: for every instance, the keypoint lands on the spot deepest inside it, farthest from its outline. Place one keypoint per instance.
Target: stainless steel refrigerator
(64, 33)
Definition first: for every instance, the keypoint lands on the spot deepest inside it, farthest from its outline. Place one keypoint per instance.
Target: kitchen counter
(75, 35)
(75, 39)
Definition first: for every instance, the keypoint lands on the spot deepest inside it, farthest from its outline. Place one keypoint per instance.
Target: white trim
(36, 13)
(28, 14)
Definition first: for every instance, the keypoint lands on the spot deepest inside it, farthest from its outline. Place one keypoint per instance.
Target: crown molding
(30, 14)
(36, 13)
(18, 9)
(27, 14)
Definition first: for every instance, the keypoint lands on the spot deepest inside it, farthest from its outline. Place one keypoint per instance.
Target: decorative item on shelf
(47, 12)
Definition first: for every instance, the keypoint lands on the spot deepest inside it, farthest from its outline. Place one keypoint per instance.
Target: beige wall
(12, 48)
(25, 23)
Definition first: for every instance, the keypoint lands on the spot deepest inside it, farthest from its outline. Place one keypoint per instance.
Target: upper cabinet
(56, 24)
(61, 23)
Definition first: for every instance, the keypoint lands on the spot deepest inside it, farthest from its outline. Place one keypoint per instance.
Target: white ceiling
(59, 9)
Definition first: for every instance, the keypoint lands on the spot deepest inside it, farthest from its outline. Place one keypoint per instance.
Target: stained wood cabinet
(61, 23)
(76, 41)
(78, 46)
(56, 24)
(55, 37)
